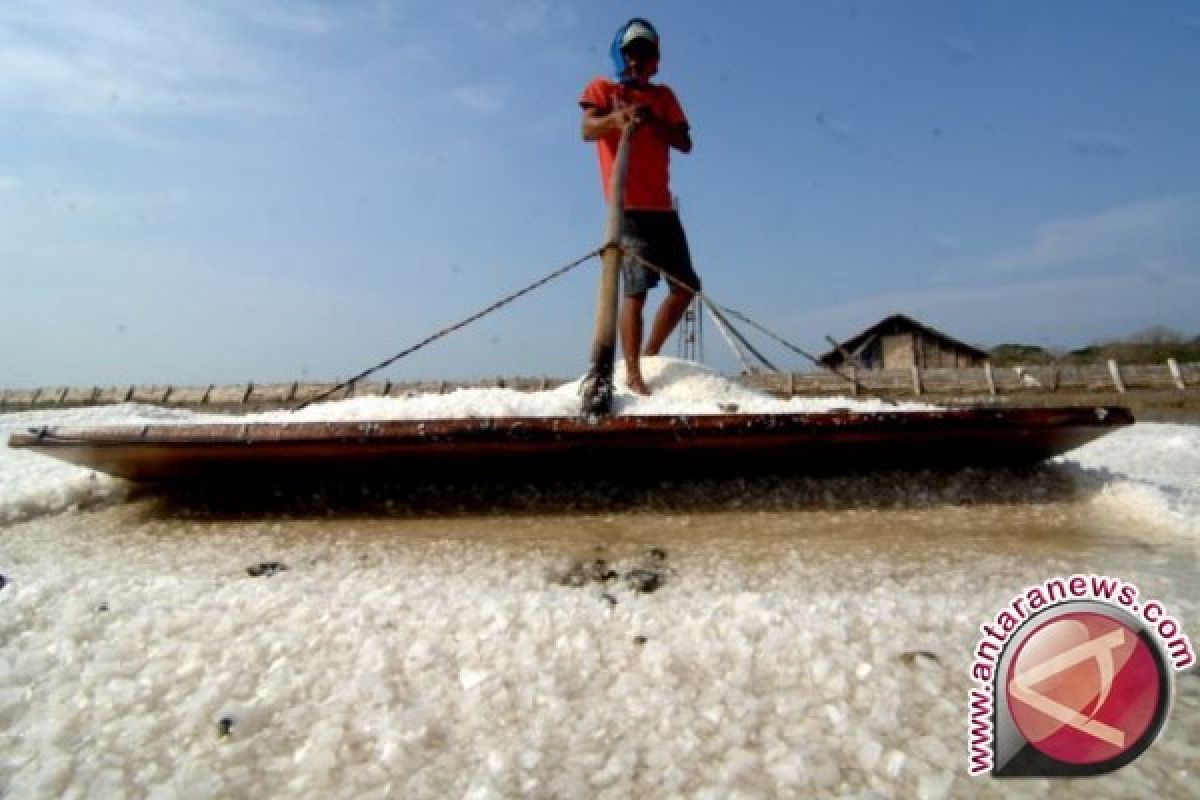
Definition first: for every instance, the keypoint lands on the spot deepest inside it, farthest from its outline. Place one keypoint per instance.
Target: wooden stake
(1115, 372)
(598, 385)
(1173, 365)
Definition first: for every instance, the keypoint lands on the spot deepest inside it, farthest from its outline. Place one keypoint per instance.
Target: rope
(729, 340)
(736, 340)
(732, 335)
(716, 310)
(858, 386)
(452, 328)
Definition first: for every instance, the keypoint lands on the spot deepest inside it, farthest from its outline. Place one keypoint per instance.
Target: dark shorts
(658, 237)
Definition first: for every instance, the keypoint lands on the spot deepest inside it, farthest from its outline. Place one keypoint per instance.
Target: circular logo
(1086, 689)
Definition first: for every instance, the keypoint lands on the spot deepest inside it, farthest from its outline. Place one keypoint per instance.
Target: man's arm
(678, 135)
(597, 124)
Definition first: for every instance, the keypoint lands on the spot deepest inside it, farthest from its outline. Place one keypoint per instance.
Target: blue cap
(636, 28)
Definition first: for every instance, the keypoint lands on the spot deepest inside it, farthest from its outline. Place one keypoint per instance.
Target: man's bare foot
(637, 385)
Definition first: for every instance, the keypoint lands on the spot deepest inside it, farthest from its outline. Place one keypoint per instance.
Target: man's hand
(644, 115)
(627, 117)
(676, 136)
(597, 124)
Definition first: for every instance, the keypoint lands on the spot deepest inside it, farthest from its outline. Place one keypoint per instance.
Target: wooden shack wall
(935, 353)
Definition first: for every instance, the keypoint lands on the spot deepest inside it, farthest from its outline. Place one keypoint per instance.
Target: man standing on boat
(651, 224)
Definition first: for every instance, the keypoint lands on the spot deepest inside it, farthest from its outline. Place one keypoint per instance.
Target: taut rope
(563, 270)
(717, 310)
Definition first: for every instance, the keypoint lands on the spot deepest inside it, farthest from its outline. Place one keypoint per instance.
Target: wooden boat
(567, 446)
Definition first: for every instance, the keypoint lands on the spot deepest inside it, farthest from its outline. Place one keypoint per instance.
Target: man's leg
(631, 341)
(668, 316)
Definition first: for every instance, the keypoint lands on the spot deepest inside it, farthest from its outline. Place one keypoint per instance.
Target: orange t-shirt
(647, 183)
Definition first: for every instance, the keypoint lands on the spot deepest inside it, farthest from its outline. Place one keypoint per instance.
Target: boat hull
(836, 441)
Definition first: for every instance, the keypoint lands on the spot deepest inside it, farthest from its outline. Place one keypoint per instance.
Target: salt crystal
(52, 774)
(818, 668)
(470, 678)
(482, 790)
(497, 762)
(788, 771)
(934, 786)
(868, 753)
(894, 763)
(824, 773)
(932, 749)
(737, 762)
(609, 774)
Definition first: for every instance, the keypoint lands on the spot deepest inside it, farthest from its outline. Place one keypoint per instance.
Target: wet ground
(801, 637)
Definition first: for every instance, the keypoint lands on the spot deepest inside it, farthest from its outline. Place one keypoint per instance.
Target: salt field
(775, 637)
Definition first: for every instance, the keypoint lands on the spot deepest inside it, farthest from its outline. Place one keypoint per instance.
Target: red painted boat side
(719, 443)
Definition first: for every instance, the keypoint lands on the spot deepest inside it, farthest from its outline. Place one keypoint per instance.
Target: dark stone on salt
(914, 657)
(600, 572)
(224, 726)
(643, 580)
(639, 640)
(574, 576)
(612, 601)
(265, 568)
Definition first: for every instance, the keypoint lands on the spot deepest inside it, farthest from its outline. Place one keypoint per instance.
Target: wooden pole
(598, 385)
(1176, 375)
(849, 358)
(1114, 372)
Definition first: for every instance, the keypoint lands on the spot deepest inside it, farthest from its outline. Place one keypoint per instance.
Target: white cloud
(55, 221)
(482, 98)
(172, 57)
(538, 16)
(945, 242)
(1129, 231)
(1097, 143)
(958, 48)
(296, 18)
(520, 17)
(838, 129)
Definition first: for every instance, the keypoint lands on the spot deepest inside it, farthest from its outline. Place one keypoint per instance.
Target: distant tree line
(1153, 345)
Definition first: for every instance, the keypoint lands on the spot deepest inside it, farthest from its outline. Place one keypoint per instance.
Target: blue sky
(221, 191)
